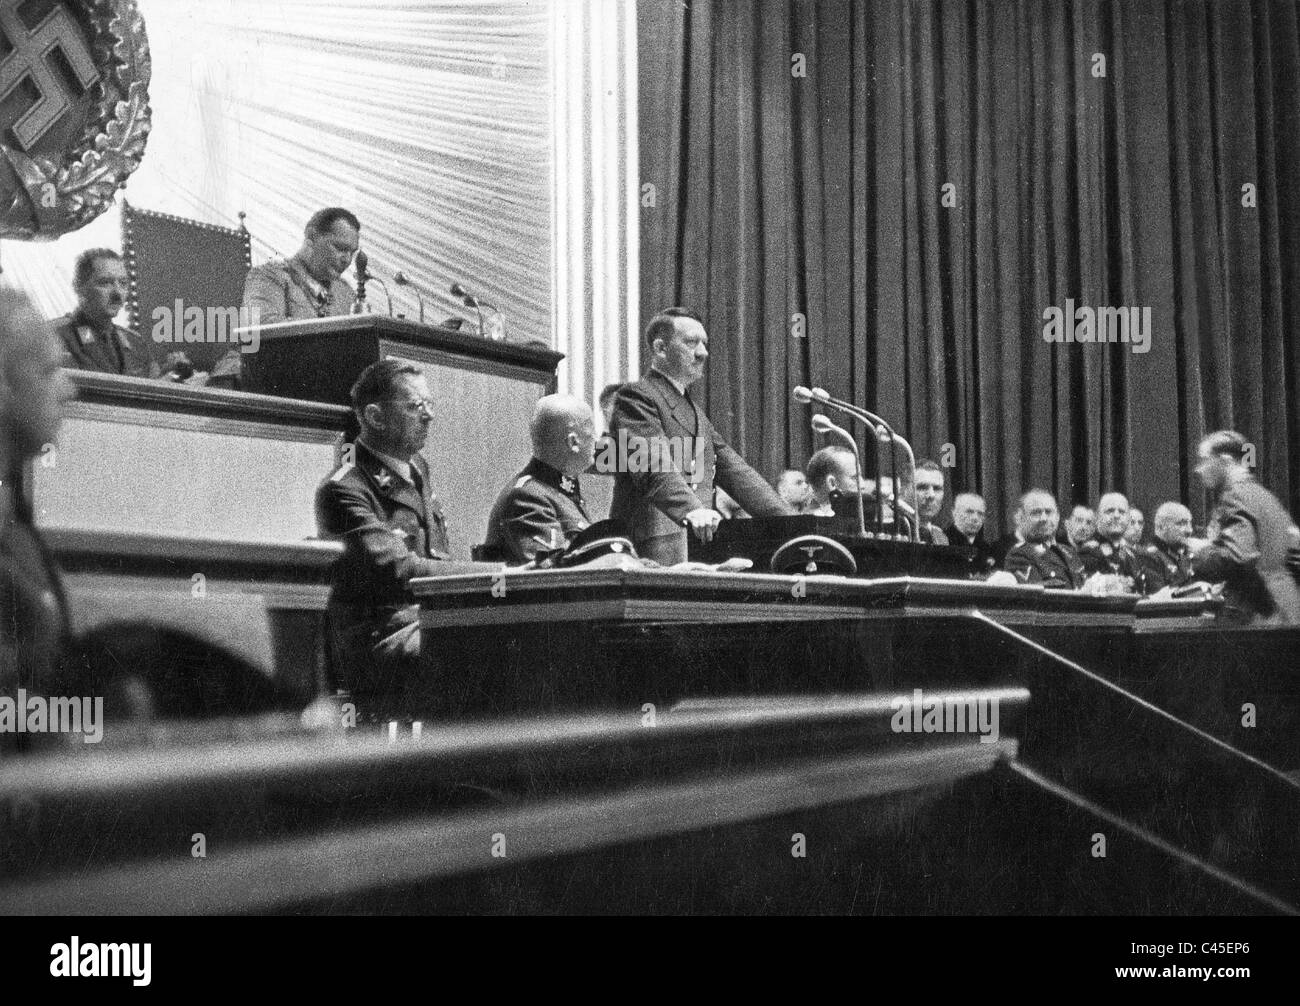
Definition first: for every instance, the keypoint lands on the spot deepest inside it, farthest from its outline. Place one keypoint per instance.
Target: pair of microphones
(364, 275)
(883, 434)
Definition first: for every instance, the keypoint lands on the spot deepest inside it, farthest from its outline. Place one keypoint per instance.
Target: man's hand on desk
(703, 522)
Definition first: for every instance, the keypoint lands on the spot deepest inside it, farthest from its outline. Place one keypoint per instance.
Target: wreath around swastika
(45, 196)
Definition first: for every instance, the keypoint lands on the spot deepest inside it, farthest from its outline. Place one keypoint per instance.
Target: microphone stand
(869, 419)
(401, 280)
(804, 396)
(388, 296)
(821, 424)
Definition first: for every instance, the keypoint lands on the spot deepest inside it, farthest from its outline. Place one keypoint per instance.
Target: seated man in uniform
(91, 340)
(308, 285)
(792, 486)
(1167, 561)
(1041, 559)
(1111, 553)
(1080, 527)
(383, 508)
(967, 529)
(929, 498)
(542, 509)
(1252, 533)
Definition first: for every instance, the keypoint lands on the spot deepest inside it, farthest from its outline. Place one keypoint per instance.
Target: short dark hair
(663, 324)
(378, 382)
(323, 220)
(87, 261)
(926, 465)
(1228, 442)
(609, 391)
(825, 463)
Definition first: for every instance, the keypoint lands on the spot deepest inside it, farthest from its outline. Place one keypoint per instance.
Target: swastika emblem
(28, 56)
(74, 111)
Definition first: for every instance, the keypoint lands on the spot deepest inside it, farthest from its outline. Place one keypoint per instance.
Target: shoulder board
(522, 481)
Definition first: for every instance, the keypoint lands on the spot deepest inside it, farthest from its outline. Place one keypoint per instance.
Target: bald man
(1110, 553)
(1040, 558)
(542, 509)
(967, 529)
(832, 469)
(1167, 561)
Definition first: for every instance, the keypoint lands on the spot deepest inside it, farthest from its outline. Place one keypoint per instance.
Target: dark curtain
(777, 195)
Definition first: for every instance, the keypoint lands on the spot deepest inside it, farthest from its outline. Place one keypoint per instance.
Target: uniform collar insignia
(568, 484)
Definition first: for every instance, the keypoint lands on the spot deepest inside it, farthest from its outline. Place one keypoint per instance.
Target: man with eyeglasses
(308, 285)
(381, 505)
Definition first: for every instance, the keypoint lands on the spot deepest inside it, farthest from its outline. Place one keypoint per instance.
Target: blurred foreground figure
(139, 670)
(1253, 531)
(33, 390)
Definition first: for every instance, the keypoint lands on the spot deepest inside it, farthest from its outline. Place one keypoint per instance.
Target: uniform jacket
(1052, 564)
(1249, 555)
(540, 511)
(985, 560)
(116, 350)
(390, 531)
(1103, 557)
(654, 504)
(283, 290)
(1163, 565)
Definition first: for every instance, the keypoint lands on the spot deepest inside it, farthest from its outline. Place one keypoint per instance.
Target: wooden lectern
(485, 393)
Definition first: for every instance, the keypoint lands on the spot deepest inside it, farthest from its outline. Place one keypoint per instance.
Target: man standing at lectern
(670, 456)
(383, 509)
(309, 285)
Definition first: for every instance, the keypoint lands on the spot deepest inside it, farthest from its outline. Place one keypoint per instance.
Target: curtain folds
(944, 172)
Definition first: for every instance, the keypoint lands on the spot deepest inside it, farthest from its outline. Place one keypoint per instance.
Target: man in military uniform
(1110, 553)
(1040, 558)
(542, 508)
(670, 455)
(91, 340)
(382, 507)
(1080, 527)
(1249, 549)
(310, 284)
(1167, 561)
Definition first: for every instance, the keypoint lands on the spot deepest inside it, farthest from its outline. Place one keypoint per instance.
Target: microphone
(469, 300)
(807, 396)
(885, 433)
(401, 280)
(359, 305)
(824, 426)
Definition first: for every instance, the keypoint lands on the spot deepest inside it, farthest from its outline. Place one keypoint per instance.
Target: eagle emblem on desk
(72, 128)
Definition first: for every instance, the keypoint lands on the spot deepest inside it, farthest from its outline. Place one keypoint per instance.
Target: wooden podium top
(532, 355)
